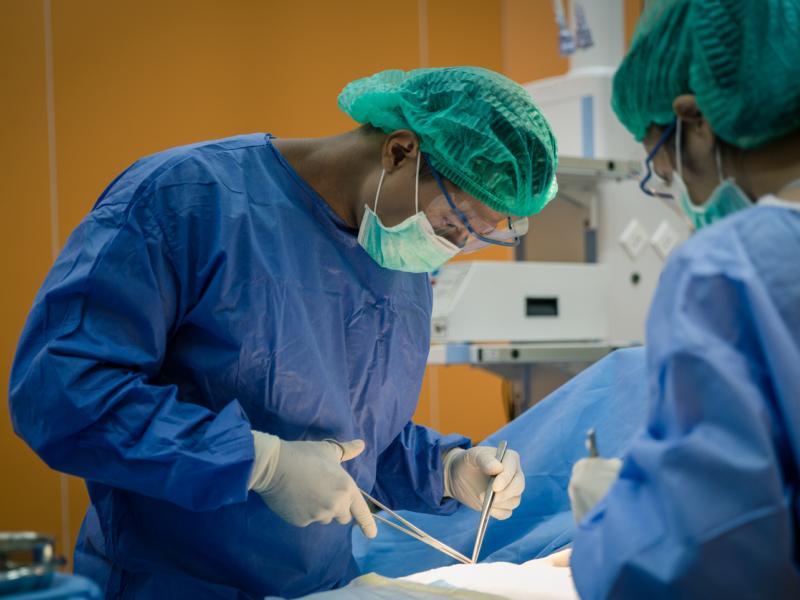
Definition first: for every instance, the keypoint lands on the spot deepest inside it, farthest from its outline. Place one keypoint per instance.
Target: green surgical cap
(481, 130)
(745, 69)
(656, 69)
(740, 58)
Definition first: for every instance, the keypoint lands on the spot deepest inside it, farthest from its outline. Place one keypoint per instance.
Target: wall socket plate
(634, 239)
(664, 239)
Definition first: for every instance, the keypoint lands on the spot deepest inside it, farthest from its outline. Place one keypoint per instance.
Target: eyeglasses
(482, 233)
(648, 164)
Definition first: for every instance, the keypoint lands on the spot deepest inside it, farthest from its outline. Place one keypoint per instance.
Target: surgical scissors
(417, 533)
(414, 531)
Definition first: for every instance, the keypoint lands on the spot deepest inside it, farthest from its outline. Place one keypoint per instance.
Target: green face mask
(412, 246)
(726, 199)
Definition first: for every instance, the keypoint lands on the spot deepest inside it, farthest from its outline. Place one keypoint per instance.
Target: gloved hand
(467, 473)
(558, 559)
(304, 482)
(591, 478)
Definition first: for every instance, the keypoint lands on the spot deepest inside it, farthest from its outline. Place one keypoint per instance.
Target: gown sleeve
(702, 506)
(410, 473)
(84, 390)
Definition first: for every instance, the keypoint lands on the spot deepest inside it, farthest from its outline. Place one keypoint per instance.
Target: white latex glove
(590, 481)
(304, 482)
(467, 473)
(558, 559)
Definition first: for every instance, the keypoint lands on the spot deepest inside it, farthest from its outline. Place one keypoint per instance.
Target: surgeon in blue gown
(707, 503)
(232, 342)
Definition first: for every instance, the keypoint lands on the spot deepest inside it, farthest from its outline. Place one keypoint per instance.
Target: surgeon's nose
(455, 236)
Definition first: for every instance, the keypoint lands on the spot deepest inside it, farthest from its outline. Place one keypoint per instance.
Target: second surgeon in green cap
(706, 504)
(231, 345)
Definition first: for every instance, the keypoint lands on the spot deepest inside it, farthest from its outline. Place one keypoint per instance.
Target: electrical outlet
(634, 239)
(664, 239)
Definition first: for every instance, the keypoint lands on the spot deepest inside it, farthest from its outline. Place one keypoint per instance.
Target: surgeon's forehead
(466, 201)
(481, 208)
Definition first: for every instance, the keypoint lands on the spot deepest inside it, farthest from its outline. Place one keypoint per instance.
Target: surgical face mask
(726, 199)
(412, 246)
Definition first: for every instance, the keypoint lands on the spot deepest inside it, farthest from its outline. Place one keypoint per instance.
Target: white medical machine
(622, 237)
(520, 302)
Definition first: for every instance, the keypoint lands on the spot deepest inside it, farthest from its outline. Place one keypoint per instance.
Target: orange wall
(30, 495)
(131, 77)
(530, 41)
(633, 8)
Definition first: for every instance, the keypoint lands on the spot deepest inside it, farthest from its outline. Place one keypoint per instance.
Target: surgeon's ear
(399, 148)
(696, 128)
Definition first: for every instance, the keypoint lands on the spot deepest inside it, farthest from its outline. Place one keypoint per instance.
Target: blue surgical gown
(209, 292)
(707, 502)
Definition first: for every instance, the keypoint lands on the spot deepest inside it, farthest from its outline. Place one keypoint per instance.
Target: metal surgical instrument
(414, 531)
(488, 500)
(591, 443)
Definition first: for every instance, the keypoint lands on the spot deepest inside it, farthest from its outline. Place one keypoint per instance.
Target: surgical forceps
(591, 443)
(488, 500)
(415, 532)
